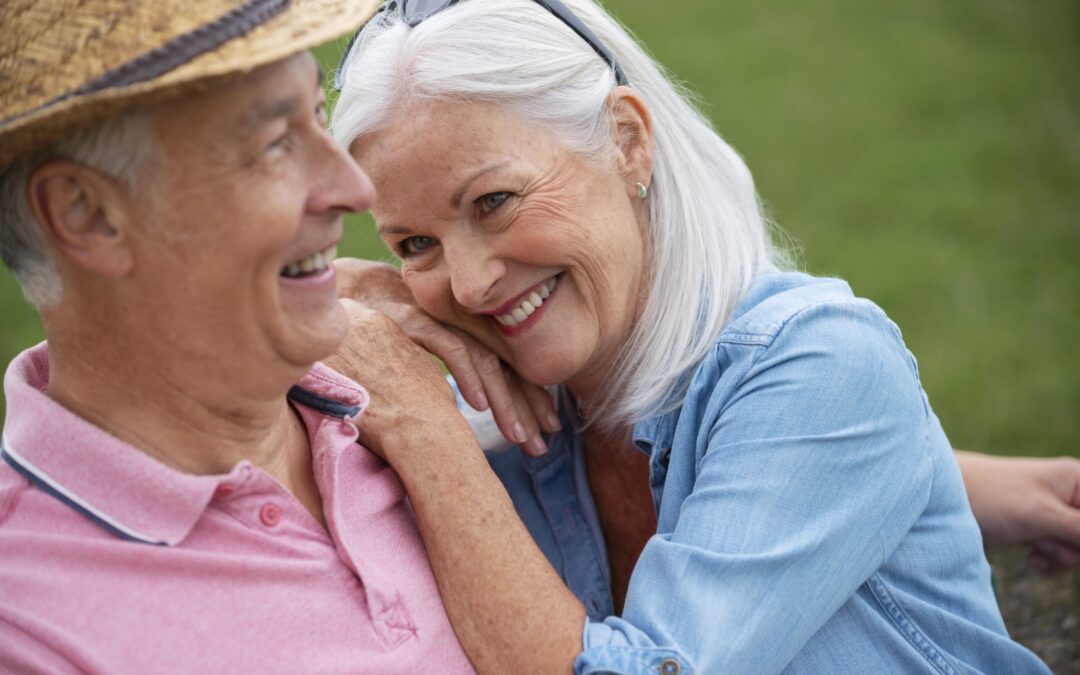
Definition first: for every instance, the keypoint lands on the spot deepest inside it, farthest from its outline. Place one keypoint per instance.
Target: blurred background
(928, 151)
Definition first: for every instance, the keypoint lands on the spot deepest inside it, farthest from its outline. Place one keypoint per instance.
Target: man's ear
(82, 212)
(632, 126)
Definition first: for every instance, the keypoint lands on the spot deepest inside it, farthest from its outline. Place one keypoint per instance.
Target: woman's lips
(527, 312)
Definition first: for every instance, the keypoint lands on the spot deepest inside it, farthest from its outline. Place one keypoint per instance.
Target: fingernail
(553, 422)
(519, 433)
(539, 447)
(482, 401)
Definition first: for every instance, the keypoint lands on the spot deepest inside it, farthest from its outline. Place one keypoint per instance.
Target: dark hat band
(178, 51)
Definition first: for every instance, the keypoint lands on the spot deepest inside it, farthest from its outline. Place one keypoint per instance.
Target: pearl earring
(642, 191)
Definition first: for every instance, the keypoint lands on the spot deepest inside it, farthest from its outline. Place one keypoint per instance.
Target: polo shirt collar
(121, 488)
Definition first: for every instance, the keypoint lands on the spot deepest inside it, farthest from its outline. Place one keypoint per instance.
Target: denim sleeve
(812, 466)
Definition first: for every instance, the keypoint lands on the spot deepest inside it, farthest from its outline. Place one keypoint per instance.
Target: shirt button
(670, 667)
(270, 515)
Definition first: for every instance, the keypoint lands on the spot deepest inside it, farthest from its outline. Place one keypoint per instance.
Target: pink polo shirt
(111, 562)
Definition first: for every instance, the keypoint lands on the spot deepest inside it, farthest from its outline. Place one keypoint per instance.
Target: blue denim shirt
(811, 515)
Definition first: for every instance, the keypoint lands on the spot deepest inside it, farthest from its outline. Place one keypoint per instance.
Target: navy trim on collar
(41, 484)
(327, 406)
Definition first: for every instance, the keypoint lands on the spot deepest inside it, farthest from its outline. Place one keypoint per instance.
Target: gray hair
(119, 147)
(709, 237)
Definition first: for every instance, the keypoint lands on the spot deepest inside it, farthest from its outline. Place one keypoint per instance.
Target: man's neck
(194, 427)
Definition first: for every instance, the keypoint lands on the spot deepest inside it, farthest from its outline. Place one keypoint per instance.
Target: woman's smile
(522, 313)
(514, 239)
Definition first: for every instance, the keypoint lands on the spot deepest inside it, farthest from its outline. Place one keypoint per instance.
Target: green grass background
(926, 150)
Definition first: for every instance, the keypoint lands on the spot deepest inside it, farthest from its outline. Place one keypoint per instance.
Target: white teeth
(529, 305)
(316, 262)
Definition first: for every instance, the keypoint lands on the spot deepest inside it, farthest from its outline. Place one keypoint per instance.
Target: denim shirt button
(670, 667)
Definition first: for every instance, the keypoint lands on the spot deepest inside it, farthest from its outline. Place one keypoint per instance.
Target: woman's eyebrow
(392, 229)
(455, 199)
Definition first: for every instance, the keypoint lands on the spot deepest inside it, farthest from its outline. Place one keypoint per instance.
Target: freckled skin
(563, 216)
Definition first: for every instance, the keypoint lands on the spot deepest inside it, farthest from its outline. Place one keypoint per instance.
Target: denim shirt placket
(561, 487)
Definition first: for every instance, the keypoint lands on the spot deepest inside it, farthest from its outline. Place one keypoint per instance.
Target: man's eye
(280, 143)
(414, 245)
(492, 201)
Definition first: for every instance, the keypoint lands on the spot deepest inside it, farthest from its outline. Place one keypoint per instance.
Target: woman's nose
(475, 274)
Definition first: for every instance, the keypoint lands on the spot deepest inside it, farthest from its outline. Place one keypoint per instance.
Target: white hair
(118, 147)
(709, 238)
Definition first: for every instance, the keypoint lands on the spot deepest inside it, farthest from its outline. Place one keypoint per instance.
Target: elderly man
(171, 202)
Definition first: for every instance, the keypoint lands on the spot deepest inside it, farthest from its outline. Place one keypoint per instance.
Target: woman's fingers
(458, 352)
(534, 444)
(521, 410)
(542, 406)
(511, 416)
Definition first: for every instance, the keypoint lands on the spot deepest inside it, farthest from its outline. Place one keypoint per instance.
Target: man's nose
(341, 184)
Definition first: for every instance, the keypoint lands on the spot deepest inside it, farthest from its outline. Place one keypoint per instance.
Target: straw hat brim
(302, 25)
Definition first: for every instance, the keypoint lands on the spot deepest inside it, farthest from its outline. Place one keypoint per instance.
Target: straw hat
(65, 64)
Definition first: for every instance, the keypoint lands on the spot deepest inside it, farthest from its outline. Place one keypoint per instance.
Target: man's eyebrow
(268, 112)
(455, 199)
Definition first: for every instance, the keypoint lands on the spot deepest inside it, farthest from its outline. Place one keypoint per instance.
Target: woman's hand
(1028, 501)
(411, 403)
(520, 409)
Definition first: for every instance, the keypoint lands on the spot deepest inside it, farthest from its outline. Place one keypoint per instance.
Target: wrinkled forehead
(235, 107)
(430, 147)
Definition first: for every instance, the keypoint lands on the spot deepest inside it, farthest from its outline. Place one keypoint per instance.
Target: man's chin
(316, 339)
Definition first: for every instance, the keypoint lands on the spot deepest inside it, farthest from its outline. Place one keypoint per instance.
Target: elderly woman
(748, 475)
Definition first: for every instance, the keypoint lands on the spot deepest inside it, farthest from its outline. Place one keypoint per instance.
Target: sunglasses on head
(413, 12)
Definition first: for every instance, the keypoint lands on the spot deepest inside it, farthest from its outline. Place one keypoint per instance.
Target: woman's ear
(632, 125)
(81, 212)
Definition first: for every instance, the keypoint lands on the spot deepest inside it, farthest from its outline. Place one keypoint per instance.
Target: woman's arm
(1027, 501)
(509, 608)
(812, 476)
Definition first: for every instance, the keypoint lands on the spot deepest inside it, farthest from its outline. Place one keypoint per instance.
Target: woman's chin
(544, 373)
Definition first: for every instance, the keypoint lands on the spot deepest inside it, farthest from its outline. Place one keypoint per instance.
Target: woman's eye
(492, 201)
(414, 245)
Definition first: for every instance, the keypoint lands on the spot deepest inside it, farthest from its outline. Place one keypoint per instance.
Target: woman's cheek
(426, 292)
